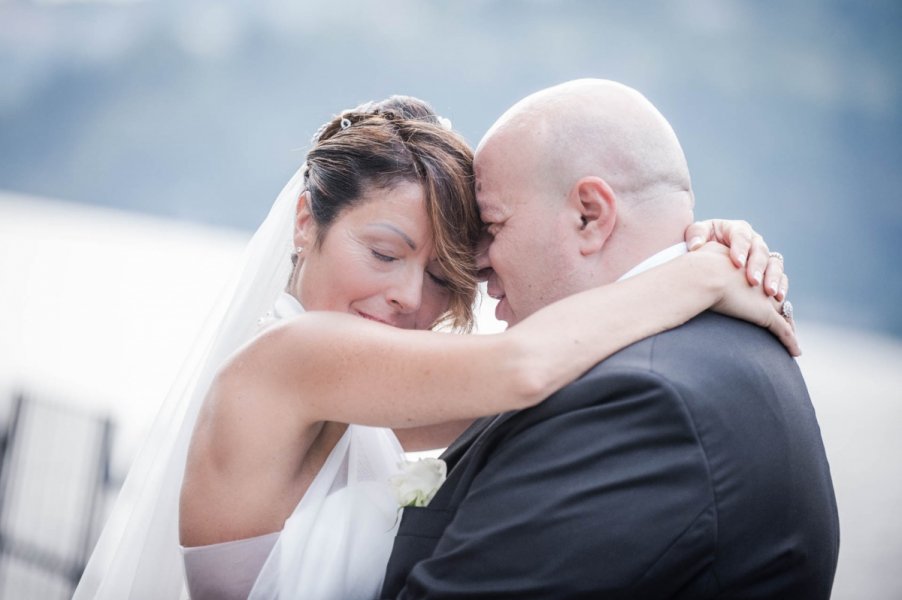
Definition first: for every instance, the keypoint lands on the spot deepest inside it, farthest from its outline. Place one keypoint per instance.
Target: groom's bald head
(607, 170)
(596, 127)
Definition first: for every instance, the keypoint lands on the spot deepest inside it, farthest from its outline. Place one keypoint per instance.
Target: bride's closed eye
(383, 257)
(390, 259)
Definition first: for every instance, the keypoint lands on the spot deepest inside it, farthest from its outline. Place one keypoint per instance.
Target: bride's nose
(406, 291)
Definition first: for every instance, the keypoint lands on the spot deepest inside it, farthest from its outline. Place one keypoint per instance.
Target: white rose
(418, 481)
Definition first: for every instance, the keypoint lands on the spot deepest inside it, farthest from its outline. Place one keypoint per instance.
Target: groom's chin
(503, 312)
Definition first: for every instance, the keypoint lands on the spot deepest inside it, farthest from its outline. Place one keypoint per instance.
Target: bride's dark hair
(381, 144)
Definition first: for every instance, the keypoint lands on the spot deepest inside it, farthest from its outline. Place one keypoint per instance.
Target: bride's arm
(337, 367)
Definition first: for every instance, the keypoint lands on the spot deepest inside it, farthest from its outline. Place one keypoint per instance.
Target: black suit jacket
(689, 465)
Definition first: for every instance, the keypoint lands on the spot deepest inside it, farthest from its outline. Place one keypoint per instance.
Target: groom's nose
(483, 265)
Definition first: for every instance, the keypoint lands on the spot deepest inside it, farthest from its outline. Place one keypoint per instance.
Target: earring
(299, 249)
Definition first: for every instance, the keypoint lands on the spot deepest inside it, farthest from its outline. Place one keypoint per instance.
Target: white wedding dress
(337, 541)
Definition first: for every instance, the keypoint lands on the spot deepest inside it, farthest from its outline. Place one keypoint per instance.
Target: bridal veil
(138, 555)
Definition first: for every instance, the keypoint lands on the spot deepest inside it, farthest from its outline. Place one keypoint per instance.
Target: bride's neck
(293, 287)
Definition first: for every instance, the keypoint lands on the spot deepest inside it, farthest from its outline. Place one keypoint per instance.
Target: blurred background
(142, 142)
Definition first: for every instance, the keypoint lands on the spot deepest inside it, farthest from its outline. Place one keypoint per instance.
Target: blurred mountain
(200, 110)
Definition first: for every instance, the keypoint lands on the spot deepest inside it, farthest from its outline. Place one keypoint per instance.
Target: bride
(279, 496)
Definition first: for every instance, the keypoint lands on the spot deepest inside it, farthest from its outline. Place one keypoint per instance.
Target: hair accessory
(345, 123)
(317, 135)
(445, 123)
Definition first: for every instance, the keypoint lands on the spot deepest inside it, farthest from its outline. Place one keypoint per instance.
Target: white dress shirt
(665, 255)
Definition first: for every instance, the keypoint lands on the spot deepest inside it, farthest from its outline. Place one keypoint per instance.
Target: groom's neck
(627, 248)
(646, 224)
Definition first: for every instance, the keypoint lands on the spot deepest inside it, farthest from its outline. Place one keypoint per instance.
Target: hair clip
(445, 123)
(345, 123)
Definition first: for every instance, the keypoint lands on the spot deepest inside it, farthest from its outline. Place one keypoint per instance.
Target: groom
(688, 465)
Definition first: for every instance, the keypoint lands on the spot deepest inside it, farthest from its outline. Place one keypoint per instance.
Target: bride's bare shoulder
(258, 395)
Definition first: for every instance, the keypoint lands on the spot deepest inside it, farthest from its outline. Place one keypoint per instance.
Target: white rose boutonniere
(418, 481)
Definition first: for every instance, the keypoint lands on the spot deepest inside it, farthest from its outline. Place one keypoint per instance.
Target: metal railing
(54, 486)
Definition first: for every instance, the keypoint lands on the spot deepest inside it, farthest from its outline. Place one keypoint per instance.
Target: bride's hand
(743, 301)
(747, 249)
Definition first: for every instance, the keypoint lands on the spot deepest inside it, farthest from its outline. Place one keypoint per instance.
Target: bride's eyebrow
(400, 233)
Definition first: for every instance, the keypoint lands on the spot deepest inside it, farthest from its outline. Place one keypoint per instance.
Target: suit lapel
(457, 448)
(421, 528)
(464, 442)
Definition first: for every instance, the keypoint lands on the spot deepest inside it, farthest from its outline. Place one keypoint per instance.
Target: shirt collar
(665, 255)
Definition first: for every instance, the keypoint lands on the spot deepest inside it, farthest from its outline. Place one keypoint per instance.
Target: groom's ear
(594, 204)
(304, 224)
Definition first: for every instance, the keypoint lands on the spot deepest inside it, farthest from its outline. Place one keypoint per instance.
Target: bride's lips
(376, 319)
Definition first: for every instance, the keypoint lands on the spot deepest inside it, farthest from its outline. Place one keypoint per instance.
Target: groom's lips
(500, 308)
(495, 291)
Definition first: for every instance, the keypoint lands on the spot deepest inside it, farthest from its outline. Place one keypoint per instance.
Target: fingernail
(783, 293)
(695, 242)
(758, 276)
(772, 286)
(742, 261)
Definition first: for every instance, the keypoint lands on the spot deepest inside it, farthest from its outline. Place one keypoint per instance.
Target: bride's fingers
(773, 276)
(785, 330)
(784, 288)
(698, 234)
(789, 338)
(740, 237)
(737, 235)
(758, 260)
(746, 248)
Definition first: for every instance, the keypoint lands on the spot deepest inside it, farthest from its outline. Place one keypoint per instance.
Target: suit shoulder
(709, 341)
